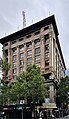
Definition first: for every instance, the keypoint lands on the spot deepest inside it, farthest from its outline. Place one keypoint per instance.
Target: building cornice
(30, 29)
(33, 28)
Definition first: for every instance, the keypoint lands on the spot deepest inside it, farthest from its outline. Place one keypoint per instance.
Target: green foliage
(63, 92)
(29, 86)
(5, 66)
(19, 89)
(4, 86)
(4, 94)
(37, 89)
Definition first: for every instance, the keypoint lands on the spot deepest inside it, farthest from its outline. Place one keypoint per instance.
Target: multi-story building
(36, 44)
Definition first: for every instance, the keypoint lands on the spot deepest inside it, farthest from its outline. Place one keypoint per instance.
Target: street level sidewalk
(65, 117)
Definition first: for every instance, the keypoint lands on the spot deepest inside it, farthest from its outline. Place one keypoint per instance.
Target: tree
(5, 66)
(37, 90)
(63, 92)
(19, 89)
(30, 85)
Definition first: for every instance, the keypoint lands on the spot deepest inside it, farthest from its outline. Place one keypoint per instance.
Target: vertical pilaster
(25, 57)
(51, 51)
(9, 52)
(42, 52)
(11, 65)
(33, 53)
(52, 93)
(17, 60)
(9, 58)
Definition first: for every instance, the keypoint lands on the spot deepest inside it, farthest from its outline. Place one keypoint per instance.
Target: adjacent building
(36, 44)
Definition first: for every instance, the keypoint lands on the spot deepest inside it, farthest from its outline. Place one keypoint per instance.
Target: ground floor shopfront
(27, 112)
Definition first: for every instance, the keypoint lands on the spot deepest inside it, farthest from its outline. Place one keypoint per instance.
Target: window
(20, 39)
(21, 69)
(14, 50)
(21, 62)
(37, 50)
(37, 32)
(6, 59)
(47, 41)
(47, 56)
(37, 42)
(6, 52)
(29, 52)
(38, 64)
(46, 37)
(14, 71)
(47, 47)
(6, 44)
(29, 59)
(14, 64)
(28, 36)
(46, 28)
(21, 48)
(29, 45)
(14, 77)
(37, 58)
(21, 55)
(13, 41)
(14, 57)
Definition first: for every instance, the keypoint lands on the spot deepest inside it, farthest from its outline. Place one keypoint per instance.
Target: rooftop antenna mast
(49, 13)
(24, 19)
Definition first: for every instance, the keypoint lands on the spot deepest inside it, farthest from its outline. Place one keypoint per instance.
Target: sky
(11, 19)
